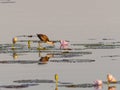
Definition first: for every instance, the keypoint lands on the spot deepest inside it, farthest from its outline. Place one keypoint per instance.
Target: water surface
(23, 67)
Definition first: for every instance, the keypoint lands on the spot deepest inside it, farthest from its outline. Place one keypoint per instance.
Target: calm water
(85, 63)
(92, 26)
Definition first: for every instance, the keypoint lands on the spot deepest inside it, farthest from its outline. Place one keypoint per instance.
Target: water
(91, 26)
(77, 69)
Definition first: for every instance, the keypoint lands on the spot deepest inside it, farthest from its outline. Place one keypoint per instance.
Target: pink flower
(98, 82)
(111, 78)
(63, 44)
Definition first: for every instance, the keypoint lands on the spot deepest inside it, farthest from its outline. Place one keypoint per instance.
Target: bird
(56, 78)
(45, 39)
(111, 78)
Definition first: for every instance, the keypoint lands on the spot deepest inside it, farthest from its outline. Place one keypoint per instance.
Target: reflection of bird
(111, 88)
(46, 58)
(45, 39)
(111, 79)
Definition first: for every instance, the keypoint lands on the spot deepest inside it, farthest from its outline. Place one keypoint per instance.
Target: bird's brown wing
(43, 37)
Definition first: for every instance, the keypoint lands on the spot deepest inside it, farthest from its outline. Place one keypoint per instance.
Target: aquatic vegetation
(35, 81)
(86, 85)
(73, 61)
(18, 86)
(100, 45)
(18, 62)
